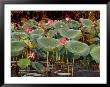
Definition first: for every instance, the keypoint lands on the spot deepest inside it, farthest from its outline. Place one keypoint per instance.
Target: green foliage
(38, 32)
(71, 34)
(31, 23)
(47, 43)
(60, 25)
(86, 22)
(23, 63)
(73, 24)
(17, 47)
(38, 66)
(20, 34)
(95, 53)
(52, 32)
(78, 48)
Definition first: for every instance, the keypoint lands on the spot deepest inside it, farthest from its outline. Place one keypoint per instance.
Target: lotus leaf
(86, 22)
(73, 24)
(38, 66)
(23, 63)
(78, 48)
(60, 25)
(31, 23)
(95, 53)
(20, 34)
(17, 47)
(72, 34)
(47, 43)
(52, 32)
(48, 26)
(38, 31)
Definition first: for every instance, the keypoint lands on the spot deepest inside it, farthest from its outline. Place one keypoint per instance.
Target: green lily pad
(73, 24)
(17, 47)
(86, 22)
(47, 43)
(78, 48)
(52, 32)
(31, 23)
(95, 53)
(48, 26)
(38, 66)
(23, 63)
(71, 34)
(38, 31)
(60, 25)
(20, 34)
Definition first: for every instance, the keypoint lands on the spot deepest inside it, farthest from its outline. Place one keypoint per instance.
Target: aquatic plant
(17, 47)
(95, 53)
(73, 24)
(38, 67)
(78, 48)
(86, 22)
(24, 63)
(71, 34)
(60, 25)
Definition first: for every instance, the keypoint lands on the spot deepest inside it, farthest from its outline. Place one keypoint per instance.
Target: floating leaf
(92, 46)
(17, 47)
(86, 22)
(71, 34)
(52, 32)
(78, 48)
(38, 66)
(60, 25)
(38, 31)
(23, 63)
(20, 34)
(48, 26)
(31, 23)
(73, 24)
(95, 53)
(47, 43)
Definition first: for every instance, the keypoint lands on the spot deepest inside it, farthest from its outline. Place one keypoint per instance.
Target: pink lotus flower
(67, 18)
(63, 41)
(50, 21)
(31, 55)
(29, 30)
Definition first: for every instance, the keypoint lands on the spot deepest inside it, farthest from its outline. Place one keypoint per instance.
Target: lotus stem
(47, 58)
(13, 59)
(72, 71)
(73, 67)
(68, 69)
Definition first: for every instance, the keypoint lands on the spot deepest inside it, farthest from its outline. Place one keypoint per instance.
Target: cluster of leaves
(49, 37)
